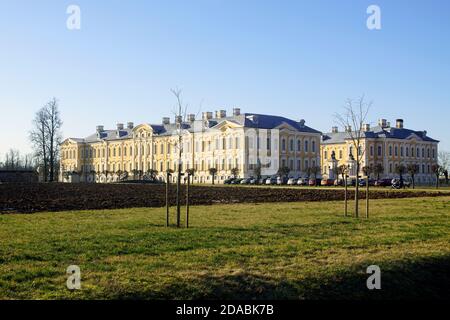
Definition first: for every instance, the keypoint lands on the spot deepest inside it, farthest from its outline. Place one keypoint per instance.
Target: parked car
(228, 181)
(327, 182)
(292, 181)
(383, 183)
(245, 181)
(262, 181)
(362, 182)
(312, 182)
(236, 181)
(281, 180)
(302, 182)
(254, 181)
(271, 180)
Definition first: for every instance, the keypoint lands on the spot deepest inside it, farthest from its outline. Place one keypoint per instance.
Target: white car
(292, 181)
(302, 182)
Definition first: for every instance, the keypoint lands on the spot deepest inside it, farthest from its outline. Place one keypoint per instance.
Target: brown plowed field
(29, 198)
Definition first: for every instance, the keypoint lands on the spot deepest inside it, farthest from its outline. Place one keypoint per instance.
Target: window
(237, 143)
(291, 145)
(379, 151)
(371, 151)
(433, 153)
(325, 154)
(162, 149)
(412, 152)
(428, 152)
(299, 145)
(291, 164)
(401, 151)
(417, 153)
(283, 145)
(299, 165)
(390, 151)
(423, 152)
(407, 151)
(306, 145)
(340, 154)
(396, 151)
(306, 164)
(313, 146)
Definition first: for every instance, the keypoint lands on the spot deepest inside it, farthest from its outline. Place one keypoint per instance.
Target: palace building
(383, 144)
(242, 143)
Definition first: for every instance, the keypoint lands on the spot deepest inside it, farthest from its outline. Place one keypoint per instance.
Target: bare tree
(413, 169)
(180, 115)
(45, 137)
(437, 170)
(53, 125)
(13, 160)
(314, 171)
(378, 169)
(38, 137)
(401, 170)
(234, 172)
(213, 172)
(354, 118)
(444, 162)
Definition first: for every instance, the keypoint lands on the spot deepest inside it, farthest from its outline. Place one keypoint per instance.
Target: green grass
(279, 250)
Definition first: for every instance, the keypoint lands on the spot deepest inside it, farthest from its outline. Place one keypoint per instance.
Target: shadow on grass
(413, 280)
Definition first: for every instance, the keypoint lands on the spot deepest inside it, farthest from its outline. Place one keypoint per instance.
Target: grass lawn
(271, 251)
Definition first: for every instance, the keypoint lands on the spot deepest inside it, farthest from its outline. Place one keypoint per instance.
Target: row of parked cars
(314, 182)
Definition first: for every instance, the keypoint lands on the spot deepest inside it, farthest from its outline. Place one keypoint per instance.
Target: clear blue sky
(300, 59)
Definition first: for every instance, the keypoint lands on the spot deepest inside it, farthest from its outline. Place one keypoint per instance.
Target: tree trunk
(413, 182)
(357, 192)
(367, 197)
(179, 191)
(187, 202)
(167, 198)
(345, 197)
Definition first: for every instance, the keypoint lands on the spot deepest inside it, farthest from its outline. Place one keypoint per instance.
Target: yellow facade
(389, 150)
(225, 145)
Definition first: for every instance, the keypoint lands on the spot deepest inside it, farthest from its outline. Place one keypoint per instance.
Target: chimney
(191, 117)
(236, 111)
(178, 119)
(120, 126)
(399, 123)
(302, 122)
(424, 133)
(207, 115)
(348, 129)
(382, 123)
(130, 125)
(366, 127)
(99, 128)
(166, 120)
(388, 124)
(334, 130)
(221, 114)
